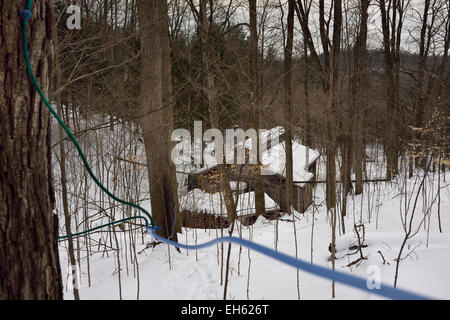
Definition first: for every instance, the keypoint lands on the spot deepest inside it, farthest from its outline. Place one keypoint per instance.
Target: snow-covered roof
(264, 136)
(274, 161)
(202, 201)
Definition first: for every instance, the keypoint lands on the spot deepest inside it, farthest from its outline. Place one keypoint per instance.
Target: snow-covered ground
(167, 274)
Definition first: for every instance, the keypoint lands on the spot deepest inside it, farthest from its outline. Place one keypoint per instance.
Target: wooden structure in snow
(242, 179)
(274, 184)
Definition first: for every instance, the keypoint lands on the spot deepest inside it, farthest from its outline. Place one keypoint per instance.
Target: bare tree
(360, 83)
(254, 102)
(392, 19)
(329, 76)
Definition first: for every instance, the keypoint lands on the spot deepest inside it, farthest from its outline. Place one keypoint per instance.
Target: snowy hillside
(163, 273)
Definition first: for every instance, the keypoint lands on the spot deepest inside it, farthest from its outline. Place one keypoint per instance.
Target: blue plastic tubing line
(344, 278)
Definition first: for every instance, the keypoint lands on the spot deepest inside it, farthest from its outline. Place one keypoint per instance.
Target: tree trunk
(331, 152)
(391, 22)
(62, 166)
(211, 92)
(168, 102)
(329, 72)
(29, 263)
(332, 78)
(260, 206)
(307, 130)
(156, 120)
(360, 95)
(288, 106)
(421, 100)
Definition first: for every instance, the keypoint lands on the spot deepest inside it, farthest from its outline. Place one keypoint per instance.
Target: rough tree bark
(168, 101)
(29, 261)
(156, 120)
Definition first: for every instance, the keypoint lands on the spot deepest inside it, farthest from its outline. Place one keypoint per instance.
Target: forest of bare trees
(343, 77)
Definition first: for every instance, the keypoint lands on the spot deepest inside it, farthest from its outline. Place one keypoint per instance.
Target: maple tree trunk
(29, 261)
(156, 120)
